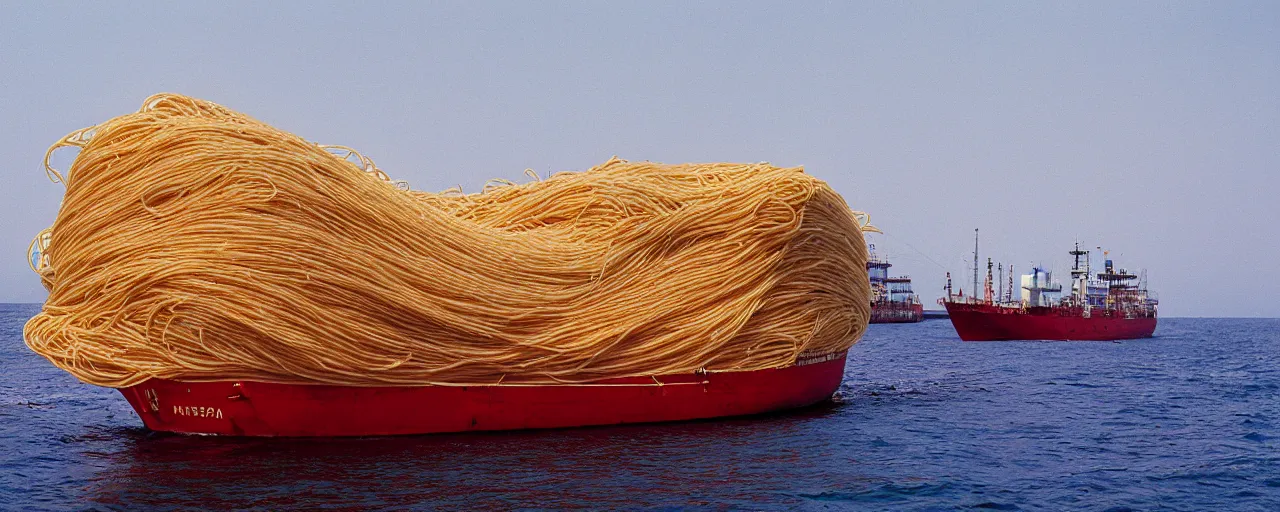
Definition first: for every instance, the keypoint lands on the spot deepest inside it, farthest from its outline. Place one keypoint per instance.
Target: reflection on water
(677, 464)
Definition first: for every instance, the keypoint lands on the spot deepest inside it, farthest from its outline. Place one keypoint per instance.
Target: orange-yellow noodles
(196, 243)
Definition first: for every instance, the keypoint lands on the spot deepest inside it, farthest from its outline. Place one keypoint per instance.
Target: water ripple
(923, 421)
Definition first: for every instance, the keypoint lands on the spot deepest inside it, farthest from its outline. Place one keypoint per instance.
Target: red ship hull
(982, 322)
(896, 313)
(263, 409)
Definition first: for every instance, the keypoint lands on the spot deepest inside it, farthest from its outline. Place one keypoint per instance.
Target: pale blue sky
(1149, 128)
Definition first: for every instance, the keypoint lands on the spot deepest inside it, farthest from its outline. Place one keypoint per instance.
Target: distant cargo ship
(1111, 305)
(892, 300)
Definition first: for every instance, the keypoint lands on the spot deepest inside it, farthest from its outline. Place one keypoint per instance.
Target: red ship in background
(892, 300)
(1111, 305)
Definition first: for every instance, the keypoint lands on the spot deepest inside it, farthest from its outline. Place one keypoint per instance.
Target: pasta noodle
(196, 243)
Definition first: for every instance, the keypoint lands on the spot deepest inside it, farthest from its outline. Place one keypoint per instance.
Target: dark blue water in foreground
(1189, 420)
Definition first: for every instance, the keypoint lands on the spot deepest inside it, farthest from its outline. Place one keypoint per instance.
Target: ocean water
(1188, 420)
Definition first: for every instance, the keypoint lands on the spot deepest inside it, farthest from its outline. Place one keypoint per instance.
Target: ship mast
(1080, 276)
(987, 291)
(975, 261)
(1008, 297)
(1000, 294)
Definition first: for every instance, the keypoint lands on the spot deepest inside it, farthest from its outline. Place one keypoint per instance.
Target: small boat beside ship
(1113, 304)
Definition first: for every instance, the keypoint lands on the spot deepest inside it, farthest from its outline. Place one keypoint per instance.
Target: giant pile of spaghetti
(196, 243)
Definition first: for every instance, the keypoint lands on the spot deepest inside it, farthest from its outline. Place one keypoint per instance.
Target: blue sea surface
(1188, 420)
